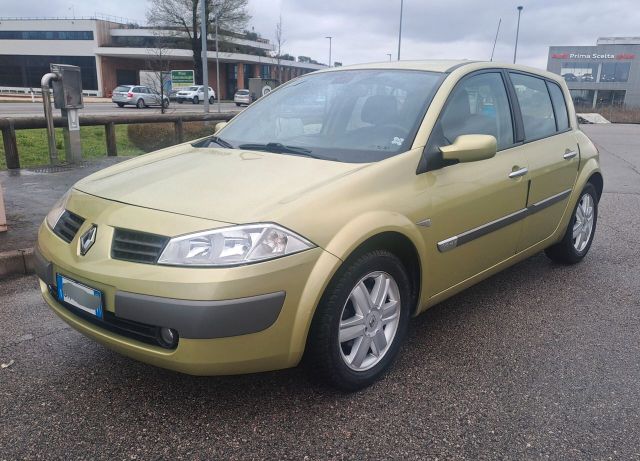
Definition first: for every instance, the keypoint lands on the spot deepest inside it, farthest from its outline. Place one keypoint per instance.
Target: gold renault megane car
(320, 220)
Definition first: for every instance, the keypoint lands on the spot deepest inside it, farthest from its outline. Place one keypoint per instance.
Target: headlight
(57, 210)
(233, 246)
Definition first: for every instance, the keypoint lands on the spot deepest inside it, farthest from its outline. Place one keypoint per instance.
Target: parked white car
(195, 94)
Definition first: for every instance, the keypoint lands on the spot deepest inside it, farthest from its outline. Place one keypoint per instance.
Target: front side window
(535, 106)
(351, 116)
(478, 105)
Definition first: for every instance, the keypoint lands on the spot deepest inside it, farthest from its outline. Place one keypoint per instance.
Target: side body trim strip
(477, 232)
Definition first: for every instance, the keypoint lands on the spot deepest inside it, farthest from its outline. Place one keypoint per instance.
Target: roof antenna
(496, 40)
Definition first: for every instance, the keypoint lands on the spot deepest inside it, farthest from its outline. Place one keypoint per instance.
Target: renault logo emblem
(88, 239)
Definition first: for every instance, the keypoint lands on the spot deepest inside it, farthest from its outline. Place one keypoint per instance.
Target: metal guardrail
(8, 127)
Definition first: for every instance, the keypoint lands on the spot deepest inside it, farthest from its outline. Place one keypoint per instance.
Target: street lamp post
(205, 65)
(515, 50)
(400, 29)
(329, 37)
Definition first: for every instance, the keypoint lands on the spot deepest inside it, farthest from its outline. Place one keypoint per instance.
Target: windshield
(242, 92)
(192, 88)
(349, 116)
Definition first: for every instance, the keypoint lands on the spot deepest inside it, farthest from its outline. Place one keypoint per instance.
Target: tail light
(129, 95)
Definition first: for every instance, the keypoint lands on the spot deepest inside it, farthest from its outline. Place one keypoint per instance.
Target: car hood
(228, 185)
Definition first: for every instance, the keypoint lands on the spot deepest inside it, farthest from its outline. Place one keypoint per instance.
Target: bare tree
(158, 63)
(280, 41)
(184, 16)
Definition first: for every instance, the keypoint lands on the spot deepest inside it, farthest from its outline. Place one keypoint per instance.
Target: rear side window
(559, 106)
(535, 106)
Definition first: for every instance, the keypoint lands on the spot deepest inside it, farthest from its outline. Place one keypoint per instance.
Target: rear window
(122, 89)
(535, 105)
(242, 92)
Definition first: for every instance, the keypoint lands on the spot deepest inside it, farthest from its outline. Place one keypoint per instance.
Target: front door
(476, 208)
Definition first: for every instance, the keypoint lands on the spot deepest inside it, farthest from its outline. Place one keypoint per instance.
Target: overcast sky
(366, 30)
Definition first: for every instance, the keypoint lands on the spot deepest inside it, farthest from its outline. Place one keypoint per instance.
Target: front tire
(195, 100)
(361, 321)
(211, 100)
(578, 237)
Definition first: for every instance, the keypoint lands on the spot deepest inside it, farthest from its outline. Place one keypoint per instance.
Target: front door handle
(569, 154)
(519, 172)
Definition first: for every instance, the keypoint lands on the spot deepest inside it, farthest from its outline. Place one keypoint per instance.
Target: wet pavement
(540, 361)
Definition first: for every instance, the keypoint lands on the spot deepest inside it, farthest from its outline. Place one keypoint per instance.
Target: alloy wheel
(583, 224)
(369, 321)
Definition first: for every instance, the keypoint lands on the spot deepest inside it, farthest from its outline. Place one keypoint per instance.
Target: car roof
(444, 66)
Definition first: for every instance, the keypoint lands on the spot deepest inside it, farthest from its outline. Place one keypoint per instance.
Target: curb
(17, 262)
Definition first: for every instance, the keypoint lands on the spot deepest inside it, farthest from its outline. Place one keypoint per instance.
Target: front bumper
(235, 320)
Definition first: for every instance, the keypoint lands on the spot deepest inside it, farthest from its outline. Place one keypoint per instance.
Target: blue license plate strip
(79, 295)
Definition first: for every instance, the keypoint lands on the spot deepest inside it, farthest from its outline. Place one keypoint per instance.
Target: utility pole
(205, 65)
(389, 54)
(329, 49)
(400, 29)
(218, 95)
(515, 50)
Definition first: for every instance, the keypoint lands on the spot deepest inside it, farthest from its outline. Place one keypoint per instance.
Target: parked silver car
(242, 97)
(137, 95)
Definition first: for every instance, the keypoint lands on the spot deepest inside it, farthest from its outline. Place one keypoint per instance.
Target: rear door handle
(518, 173)
(569, 154)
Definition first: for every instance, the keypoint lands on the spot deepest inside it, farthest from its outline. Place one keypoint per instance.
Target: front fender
(343, 243)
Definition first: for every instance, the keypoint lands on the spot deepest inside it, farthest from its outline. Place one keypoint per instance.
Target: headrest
(380, 110)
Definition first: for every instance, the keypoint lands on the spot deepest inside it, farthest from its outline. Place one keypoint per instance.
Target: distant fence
(8, 126)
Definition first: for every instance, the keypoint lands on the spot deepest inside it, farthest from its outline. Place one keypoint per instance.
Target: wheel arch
(598, 182)
(401, 246)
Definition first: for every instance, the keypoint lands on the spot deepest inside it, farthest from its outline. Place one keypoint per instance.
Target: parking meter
(67, 96)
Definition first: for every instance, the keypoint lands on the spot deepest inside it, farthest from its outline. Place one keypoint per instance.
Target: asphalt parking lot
(539, 362)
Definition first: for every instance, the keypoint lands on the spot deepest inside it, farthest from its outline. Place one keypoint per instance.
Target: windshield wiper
(215, 139)
(280, 148)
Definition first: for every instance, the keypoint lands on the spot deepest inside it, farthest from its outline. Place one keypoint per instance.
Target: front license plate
(78, 295)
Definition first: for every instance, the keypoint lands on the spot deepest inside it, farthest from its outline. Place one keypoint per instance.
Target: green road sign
(181, 78)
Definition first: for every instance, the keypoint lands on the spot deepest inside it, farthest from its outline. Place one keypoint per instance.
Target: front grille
(142, 332)
(139, 247)
(68, 225)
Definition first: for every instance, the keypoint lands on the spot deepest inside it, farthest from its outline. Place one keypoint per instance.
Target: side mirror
(470, 148)
(219, 126)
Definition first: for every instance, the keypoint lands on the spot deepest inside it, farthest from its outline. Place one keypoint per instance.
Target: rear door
(552, 154)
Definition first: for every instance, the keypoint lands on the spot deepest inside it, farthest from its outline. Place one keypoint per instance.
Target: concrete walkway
(29, 194)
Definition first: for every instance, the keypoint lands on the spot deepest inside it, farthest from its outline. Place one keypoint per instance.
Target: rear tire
(238, 104)
(180, 101)
(578, 237)
(120, 104)
(195, 100)
(349, 346)
(140, 104)
(165, 104)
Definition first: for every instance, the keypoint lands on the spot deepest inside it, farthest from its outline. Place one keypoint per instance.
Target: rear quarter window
(559, 106)
(535, 106)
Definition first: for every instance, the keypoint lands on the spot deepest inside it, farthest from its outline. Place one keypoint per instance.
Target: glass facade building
(604, 75)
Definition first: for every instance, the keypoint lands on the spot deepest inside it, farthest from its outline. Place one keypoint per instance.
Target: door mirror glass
(470, 148)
